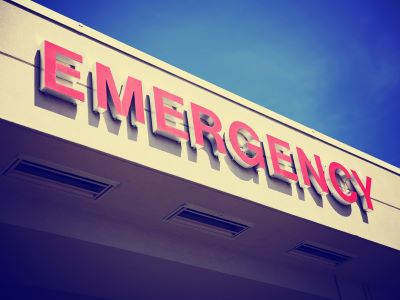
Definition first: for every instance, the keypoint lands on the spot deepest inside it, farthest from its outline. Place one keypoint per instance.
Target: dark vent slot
(62, 177)
(58, 178)
(208, 222)
(322, 254)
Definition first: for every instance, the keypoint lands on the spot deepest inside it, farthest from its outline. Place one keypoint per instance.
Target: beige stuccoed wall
(22, 34)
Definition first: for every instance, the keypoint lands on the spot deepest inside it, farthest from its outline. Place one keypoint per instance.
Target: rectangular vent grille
(206, 221)
(55, 176)
(319, 253)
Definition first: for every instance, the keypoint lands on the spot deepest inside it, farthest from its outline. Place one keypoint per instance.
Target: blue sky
(331, 65)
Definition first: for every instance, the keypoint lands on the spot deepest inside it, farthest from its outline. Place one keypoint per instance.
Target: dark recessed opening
(320, 253)
(52, 175)
(207, 221)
